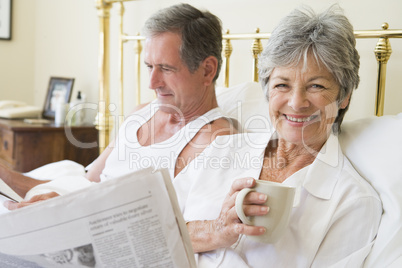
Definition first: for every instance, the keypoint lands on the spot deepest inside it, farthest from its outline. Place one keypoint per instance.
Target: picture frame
(59, 87)
(5, 19)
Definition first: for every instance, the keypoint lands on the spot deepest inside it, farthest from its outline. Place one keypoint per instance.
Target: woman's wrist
(203, 235)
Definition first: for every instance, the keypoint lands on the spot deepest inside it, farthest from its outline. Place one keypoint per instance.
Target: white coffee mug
(280, 202)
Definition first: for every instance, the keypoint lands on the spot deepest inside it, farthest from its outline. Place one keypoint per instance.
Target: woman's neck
(282, 159)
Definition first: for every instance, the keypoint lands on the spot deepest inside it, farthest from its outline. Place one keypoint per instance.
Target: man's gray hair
(327, 36)
(201, 33)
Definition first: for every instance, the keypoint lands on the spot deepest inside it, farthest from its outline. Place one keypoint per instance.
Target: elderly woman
(308, 69)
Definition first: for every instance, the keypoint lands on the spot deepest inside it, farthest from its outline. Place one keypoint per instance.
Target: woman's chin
(291, 137)
(300, 136)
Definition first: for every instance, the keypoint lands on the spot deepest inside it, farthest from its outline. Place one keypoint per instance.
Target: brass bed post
(227, 50)
(382, 52)
(102, 119)
(256, 50)
(137, 51)
(121, 66)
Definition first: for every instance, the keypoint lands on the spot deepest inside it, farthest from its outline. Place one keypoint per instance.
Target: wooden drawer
(24, 147)
(7, 145)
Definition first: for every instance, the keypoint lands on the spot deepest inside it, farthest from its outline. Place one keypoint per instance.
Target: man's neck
(187, 116)
(191, 113)
(164, 124)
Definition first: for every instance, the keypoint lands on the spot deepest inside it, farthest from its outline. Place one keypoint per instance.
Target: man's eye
(165, 69)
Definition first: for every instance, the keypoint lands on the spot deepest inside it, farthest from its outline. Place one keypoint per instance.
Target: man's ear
(210, 66)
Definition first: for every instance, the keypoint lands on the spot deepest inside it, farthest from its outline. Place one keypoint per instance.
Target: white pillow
(374, 146)
(247, 103)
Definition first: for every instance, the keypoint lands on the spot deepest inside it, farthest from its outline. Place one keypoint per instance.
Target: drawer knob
(5, 145)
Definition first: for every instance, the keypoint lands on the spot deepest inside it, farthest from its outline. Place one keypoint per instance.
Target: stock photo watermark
(128, 141)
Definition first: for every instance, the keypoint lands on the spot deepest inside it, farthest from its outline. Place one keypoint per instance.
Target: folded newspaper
(132, 221)
(6, 191)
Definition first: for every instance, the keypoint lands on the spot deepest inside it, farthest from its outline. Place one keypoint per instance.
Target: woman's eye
(317, 87)
(281, 86)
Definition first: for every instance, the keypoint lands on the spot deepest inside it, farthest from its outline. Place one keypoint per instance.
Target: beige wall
(66, 45)
(49, 38)
(17, 55)
(60, 38)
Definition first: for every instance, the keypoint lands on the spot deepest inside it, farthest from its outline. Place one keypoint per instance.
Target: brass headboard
(382, 53)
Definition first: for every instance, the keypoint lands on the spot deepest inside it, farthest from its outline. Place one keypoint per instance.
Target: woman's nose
(298, 99)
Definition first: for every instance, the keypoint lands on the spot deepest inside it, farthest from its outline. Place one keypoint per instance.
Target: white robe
(333, 225)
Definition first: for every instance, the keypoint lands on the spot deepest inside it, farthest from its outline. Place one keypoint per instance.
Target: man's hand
(225, 230)
(11, 205)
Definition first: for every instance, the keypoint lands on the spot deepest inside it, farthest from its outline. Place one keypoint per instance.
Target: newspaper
(6, 191)
(132, 221)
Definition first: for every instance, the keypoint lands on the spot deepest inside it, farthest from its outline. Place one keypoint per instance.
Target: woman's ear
(345, 102)
(210, 65)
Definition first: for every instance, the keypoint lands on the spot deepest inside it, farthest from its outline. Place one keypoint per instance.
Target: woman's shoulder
(358, 186)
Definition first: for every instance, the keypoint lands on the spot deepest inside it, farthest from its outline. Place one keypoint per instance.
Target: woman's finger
(255, 210)
(249, 229)
(242, 183)
(255, 198)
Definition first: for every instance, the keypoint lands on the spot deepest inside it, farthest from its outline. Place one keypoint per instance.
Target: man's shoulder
(219, 127)
(226, 125)
(139, 107)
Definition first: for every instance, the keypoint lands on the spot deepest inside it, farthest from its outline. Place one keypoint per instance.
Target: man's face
(177, 89)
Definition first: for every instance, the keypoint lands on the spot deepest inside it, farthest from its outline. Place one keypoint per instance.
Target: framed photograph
(5, 19)
(59, 89)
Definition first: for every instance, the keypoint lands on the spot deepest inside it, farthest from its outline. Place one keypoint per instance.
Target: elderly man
(183, 55)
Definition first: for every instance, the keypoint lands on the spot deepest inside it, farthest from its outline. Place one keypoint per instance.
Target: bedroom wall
(49, 38)
(17, 55)
(66, 42)
(60, 38)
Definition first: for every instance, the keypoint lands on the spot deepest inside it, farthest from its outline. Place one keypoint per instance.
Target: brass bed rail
(382, 53)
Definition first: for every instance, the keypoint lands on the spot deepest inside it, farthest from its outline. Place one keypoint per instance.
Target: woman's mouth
(300, 119)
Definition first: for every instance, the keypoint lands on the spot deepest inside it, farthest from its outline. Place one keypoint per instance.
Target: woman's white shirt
(333, 225)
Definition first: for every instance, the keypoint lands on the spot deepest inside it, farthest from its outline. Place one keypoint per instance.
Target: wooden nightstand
(24, 146)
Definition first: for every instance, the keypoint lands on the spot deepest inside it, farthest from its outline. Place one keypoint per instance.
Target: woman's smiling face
(303, 102)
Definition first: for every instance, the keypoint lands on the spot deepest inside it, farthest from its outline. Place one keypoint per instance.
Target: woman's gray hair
(327, 36)
(201, 33)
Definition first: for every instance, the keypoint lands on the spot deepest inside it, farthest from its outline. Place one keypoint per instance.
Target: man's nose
(155, 79)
